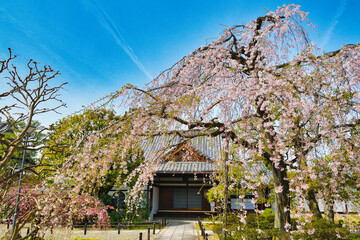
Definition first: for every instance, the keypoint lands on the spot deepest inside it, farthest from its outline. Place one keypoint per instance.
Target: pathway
(185, 230)
(62, 233)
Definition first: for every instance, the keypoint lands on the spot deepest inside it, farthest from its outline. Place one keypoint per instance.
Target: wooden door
(194, 199)
(166, 198)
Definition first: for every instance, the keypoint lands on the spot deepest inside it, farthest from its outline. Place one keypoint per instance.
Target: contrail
(113, 29)
(334, 22)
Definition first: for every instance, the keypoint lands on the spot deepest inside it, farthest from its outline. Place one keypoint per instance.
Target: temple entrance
(183, 198)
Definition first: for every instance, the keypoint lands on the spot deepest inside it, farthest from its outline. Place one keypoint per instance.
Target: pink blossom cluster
(267, 90)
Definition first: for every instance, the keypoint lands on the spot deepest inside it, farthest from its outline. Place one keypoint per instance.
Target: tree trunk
(282, 200)
(226, 197)
(313, 204)
(15, 232)
(329, 210)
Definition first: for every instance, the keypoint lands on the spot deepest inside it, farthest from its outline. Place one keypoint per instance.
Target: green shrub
(324, 229)
(216, 228)
(256, 227)
(122, 215)
(353, 236)
(262, 227)
(116, 216)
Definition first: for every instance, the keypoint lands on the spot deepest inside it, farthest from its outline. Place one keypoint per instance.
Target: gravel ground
(97, 234)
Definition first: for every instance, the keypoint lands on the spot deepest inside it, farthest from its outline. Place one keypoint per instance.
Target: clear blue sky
(99, 46)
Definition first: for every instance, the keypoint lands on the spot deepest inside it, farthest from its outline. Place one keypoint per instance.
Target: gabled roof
(186, 167)
(160, 146)
(209, 148)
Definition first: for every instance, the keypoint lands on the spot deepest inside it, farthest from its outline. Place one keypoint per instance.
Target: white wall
(155, 200)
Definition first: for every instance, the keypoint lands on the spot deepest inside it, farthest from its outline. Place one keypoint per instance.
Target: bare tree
(24, 95)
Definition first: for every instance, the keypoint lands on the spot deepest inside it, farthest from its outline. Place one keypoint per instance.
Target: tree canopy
(267, 89)
(24, 95)
(272, 95)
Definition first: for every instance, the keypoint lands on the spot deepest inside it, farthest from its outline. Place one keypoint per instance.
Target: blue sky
(99, 46)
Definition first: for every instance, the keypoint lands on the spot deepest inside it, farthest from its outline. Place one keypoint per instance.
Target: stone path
(61, 234)
(175, 230)
(185, 230)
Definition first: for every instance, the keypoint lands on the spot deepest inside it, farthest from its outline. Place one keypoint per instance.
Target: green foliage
(16, 159)
(67, 132)
(36, 139)
(216, 228)
(116, 214)
(262, 227)
(139, 213)
(258, 226)
(126, 214)
(66, 138)
(324, 230)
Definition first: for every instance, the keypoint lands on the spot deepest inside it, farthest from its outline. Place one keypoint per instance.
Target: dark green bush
(122, 215)
(324, 230)
(262, 227)
(256, 227)
(216, 228)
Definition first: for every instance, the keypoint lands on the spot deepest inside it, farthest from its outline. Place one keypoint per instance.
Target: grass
(207, 226)
(348, 219)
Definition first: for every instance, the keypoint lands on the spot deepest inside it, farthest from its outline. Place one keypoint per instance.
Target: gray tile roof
(208, 147)
(186, 167)
(260, 169)
(4, 127)
(162, 145)
(340, 206)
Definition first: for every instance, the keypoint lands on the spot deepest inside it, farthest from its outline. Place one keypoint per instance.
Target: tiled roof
(162, 145)
(186, 167)
(208, 147)
(340, 206)
(159, 146)
(260, 169)
(4, 127)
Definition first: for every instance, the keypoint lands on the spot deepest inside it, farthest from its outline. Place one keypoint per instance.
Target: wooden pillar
(187, 191)
(148, 197)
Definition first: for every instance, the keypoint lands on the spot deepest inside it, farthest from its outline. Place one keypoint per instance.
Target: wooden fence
(202, 230)
(151, 226)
